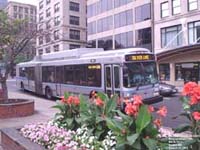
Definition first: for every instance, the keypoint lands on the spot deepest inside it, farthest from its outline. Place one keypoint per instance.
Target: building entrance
(190, 72)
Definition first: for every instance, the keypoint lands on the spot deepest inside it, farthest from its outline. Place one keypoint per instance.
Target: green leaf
(182, 128)
(150, 143)
(66, 95)
(132, 138)
(114, 125)
(111, 105)
(143, 118)
(69, 121)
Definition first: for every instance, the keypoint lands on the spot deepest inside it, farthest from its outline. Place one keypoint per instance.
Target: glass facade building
(117, 24)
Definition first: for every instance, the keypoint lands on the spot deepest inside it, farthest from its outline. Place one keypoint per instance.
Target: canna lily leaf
(143, 118)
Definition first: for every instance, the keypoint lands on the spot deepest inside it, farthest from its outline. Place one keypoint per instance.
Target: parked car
(167, 89)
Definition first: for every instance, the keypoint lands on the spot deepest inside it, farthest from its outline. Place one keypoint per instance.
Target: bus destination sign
(139, 57)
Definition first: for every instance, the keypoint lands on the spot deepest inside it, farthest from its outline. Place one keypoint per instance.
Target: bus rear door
(112, 79)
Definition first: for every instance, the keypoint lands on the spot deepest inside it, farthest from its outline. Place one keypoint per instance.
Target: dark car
(167, 89)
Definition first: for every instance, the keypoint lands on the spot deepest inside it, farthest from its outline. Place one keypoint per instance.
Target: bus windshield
(139, 73)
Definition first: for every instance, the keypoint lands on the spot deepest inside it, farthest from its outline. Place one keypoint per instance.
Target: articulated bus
(125, 72)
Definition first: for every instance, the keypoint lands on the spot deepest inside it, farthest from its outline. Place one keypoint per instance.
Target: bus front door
(112, 79)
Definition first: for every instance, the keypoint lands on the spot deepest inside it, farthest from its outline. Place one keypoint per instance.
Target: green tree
(16, 35)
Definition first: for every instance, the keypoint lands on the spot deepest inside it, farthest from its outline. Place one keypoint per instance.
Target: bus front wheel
(48, 93)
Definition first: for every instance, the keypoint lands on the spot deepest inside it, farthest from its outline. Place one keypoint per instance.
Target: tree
(15, 36)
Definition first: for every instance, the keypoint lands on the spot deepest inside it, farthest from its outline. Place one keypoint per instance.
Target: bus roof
(82, 53)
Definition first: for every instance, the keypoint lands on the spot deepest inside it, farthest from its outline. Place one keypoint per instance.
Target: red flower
(196, 115)
(70, 100)
(131, 109)
(162, 111)
(188, 88)
(193, 100)
(150, 109)
(137, 100)
(76, 101)
(157, 122)
(99, 102)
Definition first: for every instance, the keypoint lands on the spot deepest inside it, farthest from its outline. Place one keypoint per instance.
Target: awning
(179, 50)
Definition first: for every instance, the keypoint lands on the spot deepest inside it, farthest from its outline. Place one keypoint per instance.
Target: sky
(33, 2)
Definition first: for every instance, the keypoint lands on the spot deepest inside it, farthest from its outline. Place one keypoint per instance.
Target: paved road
(173, 105)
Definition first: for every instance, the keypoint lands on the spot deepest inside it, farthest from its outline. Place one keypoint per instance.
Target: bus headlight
(156, 93)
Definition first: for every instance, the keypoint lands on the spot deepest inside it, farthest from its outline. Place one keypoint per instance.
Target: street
(172, 103)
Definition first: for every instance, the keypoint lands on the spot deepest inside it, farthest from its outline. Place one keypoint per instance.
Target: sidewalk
(43, 112)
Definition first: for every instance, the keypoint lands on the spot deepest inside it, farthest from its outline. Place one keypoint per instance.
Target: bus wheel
(48, 93)
(22, 86)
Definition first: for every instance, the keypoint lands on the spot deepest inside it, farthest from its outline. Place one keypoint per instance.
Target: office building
(115, 24)
(176, 40)
(26, 12)
(64, 25)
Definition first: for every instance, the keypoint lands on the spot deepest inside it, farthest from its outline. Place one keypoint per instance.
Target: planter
(16, 108)
(11, 139)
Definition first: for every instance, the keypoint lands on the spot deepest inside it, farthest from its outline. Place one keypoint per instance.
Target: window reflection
(140, 73)
(143, 13)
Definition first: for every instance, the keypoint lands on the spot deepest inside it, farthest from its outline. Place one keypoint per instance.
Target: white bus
(124, 72)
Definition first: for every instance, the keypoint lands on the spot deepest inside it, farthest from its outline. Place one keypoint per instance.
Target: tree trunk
(4, 90)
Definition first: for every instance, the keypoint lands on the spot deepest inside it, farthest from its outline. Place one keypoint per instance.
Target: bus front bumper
(152, 100)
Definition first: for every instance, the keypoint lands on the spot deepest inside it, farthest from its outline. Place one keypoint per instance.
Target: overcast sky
(33, 2)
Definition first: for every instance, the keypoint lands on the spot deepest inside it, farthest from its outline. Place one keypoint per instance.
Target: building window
(48, 12)
(56, 35)
(92, 44)
(164, 9)
(26, 10)
(47, 38)
(40, 51)
(92, 9)
(40, 40)
(74, 6)
(48, 24)
(123, 18)
(119, 3)
(40, 27)
(164, 72)
(143, 38)
(56, 7)
(92, 28)
(57, 20)
(56, 48)
(48, 49)
(171, 36)
(41, 17)
(143, 13)
(192, 5)
(32, 10)
(176, 7)
(106, 43)
(74, 20)
(124, 40)
(15, 8)
(48, 2)
(20, 10)
(194, 32)
(74, 34)
(41, 5)
(74, 46)
(187, 72)
(105, 24)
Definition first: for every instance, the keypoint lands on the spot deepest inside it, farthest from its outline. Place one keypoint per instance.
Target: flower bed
(97, 124)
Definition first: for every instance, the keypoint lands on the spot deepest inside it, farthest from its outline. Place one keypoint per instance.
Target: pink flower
(196, 115)
(162, 111)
